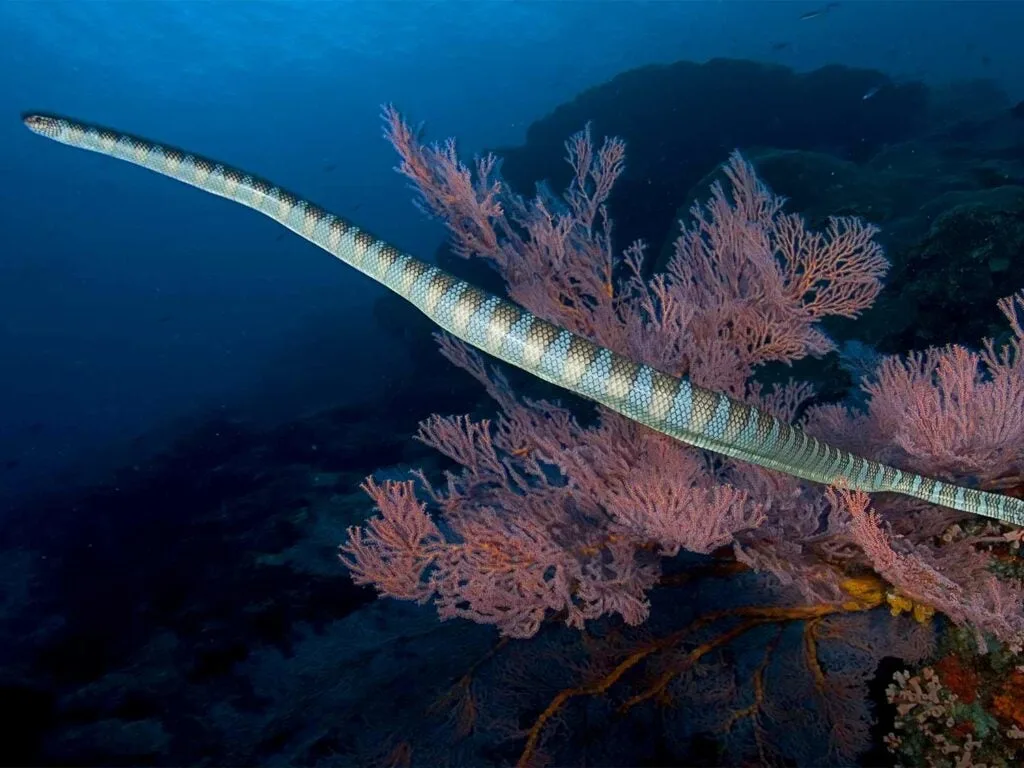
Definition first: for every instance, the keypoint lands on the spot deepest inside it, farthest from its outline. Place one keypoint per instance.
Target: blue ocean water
(163, 352)
(124, 327)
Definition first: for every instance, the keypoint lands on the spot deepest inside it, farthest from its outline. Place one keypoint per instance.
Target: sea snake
(671, 405)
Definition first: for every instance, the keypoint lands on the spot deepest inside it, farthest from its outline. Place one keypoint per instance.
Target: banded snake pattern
(670, 405)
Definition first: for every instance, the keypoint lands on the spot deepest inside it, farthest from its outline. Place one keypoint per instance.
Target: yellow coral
(900, 603)
(867, 591)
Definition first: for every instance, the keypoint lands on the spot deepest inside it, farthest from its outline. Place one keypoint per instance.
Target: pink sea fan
(547, 517)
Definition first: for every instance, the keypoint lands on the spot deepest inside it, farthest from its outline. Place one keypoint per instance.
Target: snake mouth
(44, 125)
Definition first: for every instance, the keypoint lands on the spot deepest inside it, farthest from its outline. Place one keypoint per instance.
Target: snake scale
(673, 406)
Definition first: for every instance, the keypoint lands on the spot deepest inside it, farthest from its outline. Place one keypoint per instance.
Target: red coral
(1008, 702)
(958, 677)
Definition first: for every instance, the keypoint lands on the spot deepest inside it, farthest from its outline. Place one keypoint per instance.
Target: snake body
(671, 405)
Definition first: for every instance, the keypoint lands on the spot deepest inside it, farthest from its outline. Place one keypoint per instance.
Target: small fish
(780, 46)
(818, 12)
(871, 92)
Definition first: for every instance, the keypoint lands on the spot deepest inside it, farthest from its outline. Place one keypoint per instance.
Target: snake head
(44, 125)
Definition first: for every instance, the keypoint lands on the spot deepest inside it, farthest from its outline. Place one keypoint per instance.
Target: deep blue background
(128, 303)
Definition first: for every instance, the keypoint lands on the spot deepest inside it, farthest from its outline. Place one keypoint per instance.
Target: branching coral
(549, 518)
